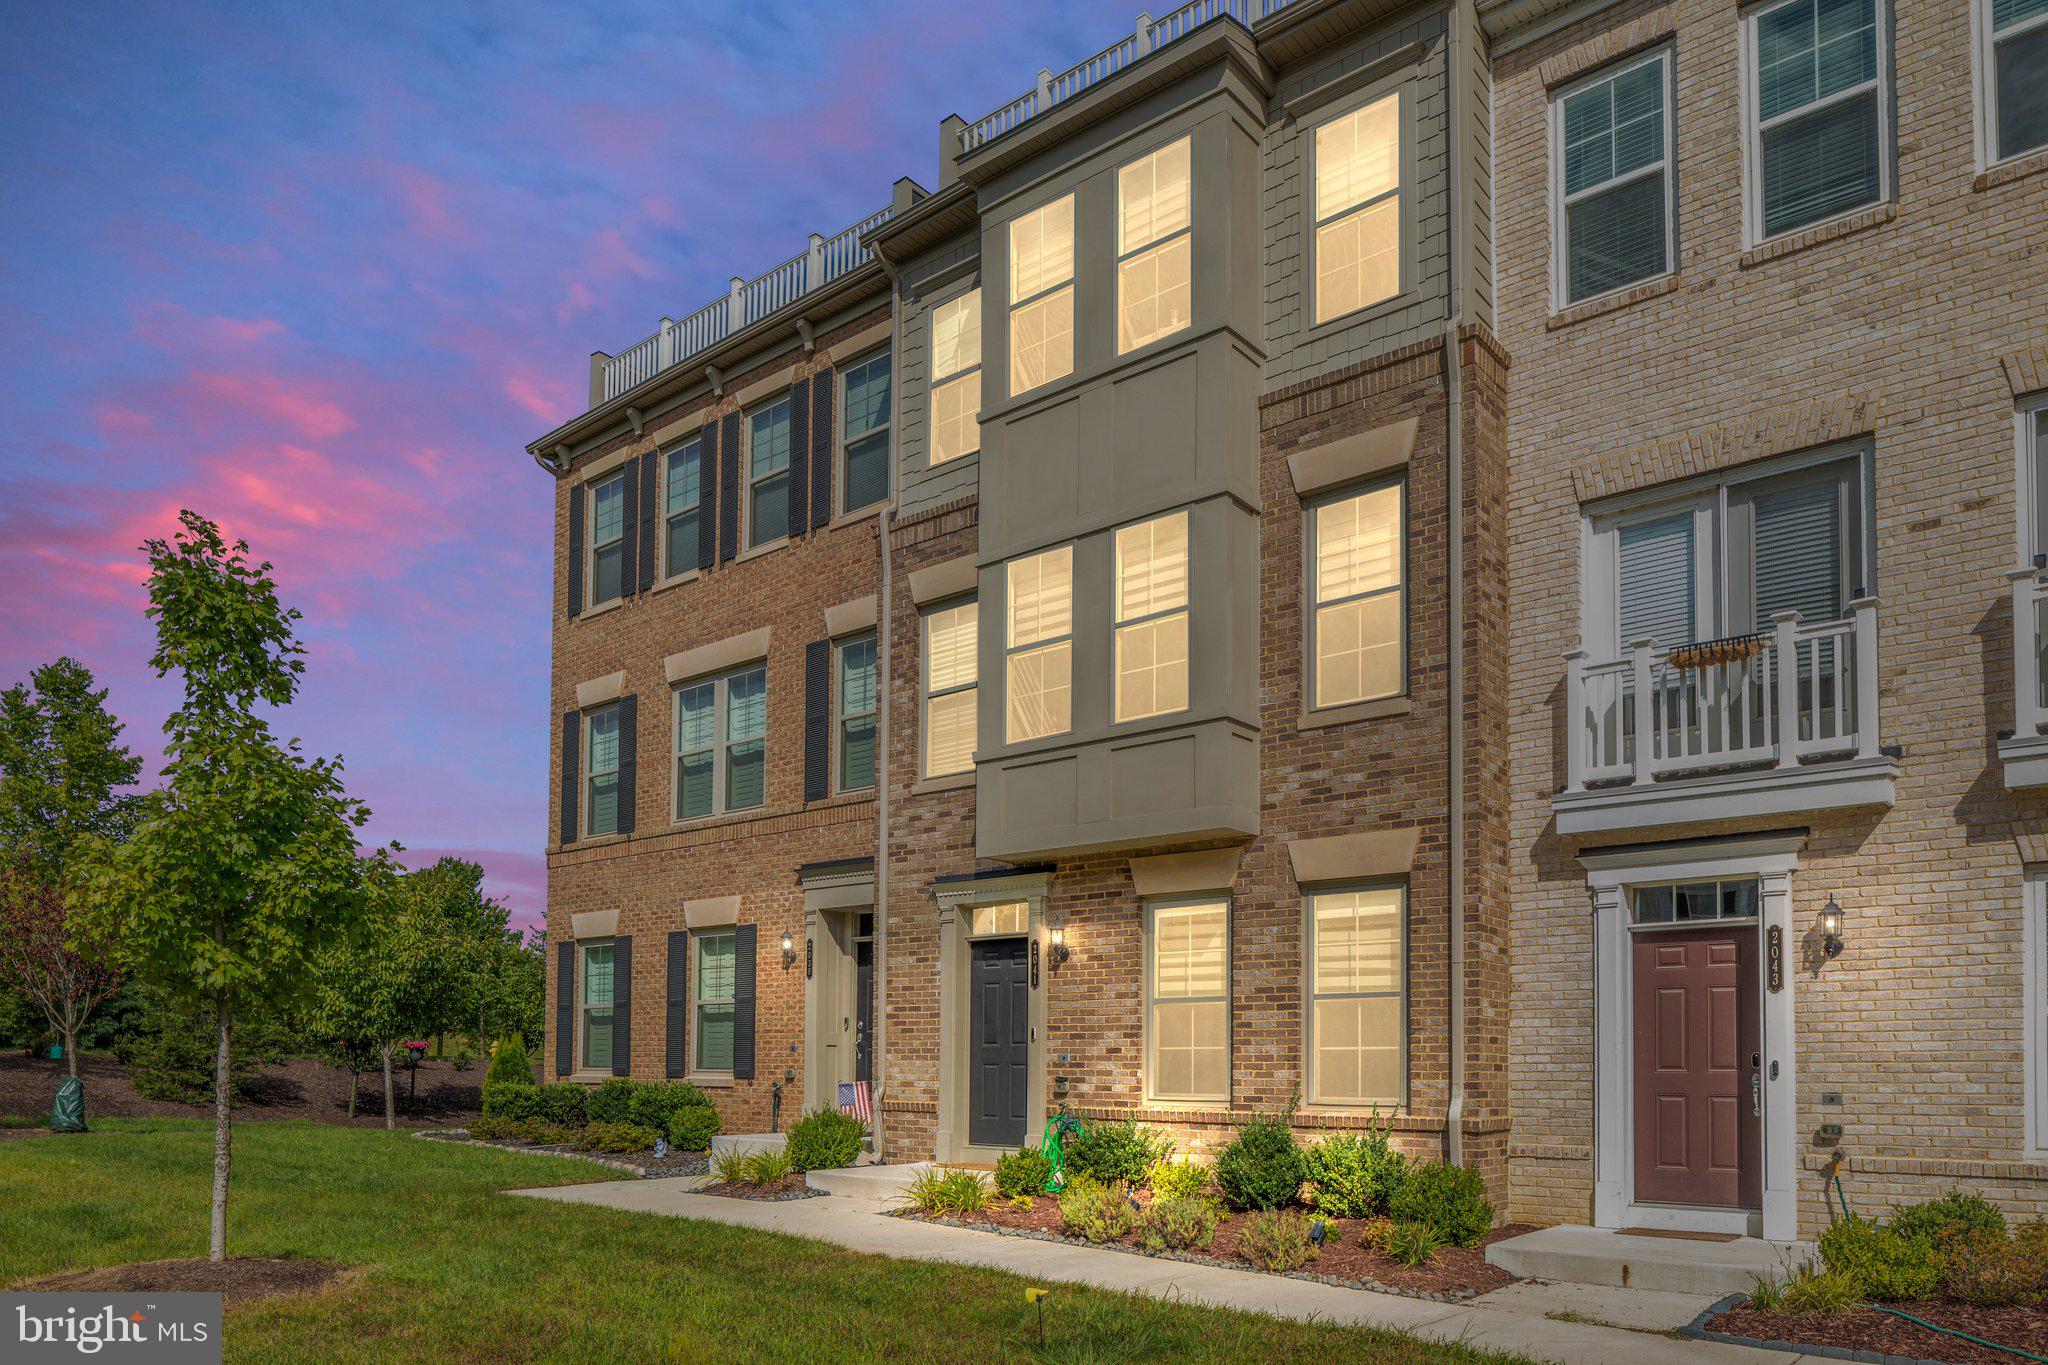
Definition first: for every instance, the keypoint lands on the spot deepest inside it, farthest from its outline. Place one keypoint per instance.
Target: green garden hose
(1062, 1127)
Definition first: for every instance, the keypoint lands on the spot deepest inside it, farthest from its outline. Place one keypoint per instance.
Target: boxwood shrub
(824, 1140)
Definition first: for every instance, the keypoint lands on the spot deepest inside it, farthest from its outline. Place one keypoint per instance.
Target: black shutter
(708, 484)
(572, 752)
(629, 761)
(575, 548)
(622, 1005)
(678, 1002)
(729, 487)
(817, 720)
(743, 1003)
(629, 530)
(649, 515)
(822, 387)
(799, 455)
(565, 1009)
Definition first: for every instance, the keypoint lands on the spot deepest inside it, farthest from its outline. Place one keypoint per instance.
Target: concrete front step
(868, 1182)
(1582, 1255)
(725, 1144)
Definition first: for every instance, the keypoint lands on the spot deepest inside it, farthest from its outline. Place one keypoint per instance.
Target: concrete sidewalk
(1512, 1319)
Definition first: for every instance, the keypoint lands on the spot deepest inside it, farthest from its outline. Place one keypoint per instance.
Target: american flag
(853, 1099)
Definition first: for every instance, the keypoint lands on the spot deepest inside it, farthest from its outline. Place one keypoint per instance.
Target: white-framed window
(712, 979)
(999, 921)
(1155, 246)
(1612, 219)
(1152, 617)
(607, 532)
(768, 473)
(1358, 595)
(1818, 111)
(855, 692)
(1358, 1012)
(682, 524)
(594, 1006)
(951, 644)
(721, 727)
(601, 770)
(1357, 187)
(956, 378)
(1042, 295)
(2030, 421)
(1038, 646)
(2034, 1000)
(1187, 999)
(1681, 903)
(2012, 75)
(864, 421)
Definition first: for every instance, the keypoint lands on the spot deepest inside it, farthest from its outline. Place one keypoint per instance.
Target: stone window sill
(1382, 709)
(951, 782)
(601, 608)
(710, 1081)
(1611, 303)
(858, 515)
(2017, 168)
(766, 547)
(687, 576)
(1833, 230)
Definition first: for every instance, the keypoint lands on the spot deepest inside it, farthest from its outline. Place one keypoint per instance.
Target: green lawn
(458, 1271)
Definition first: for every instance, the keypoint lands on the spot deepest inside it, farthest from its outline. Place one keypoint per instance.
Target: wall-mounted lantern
(1059, 945)
(1831, 928)
(788, 951)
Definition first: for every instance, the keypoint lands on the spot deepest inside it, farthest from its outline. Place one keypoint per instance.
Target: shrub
(691, 1129)
(1276, 1239)
(1451, 1199)
(509, 1063)
(935, 1190)
(560, 1103)
(1022, 1172)
(1180, 1180)
(824, 1140)
(1112, 1152)
(1995, 1271)
(522, 1130)
(765, 1167)
(730, 1166)
(1176, 1224)
(616, 1137)
(1411, 1243)
(1881, 1262)
(1261, 1168)
(1353, 1176)
(1955, 1214)
(1099, 1212)
(655, 1106)
(1810, 1289)
(612, 1101)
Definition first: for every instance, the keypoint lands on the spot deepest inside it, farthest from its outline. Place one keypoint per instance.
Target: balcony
(1781, 722)
(2025, 751)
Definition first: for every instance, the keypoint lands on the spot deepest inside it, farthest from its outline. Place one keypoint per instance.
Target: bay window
(1155, 247)
(1039, 646)
(1152, 617)
(1042, 295)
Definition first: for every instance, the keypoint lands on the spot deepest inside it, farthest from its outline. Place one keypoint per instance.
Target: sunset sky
(319, 272)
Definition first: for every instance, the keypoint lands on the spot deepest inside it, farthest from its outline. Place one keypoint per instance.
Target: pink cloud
(298, 404)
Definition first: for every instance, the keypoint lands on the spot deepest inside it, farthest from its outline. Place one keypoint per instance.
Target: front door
(1000, 1055)
(863, 1009)
(1698, 1078)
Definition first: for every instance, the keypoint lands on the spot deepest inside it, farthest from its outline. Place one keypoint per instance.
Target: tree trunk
(355, 1076)
(390, 1113)
(218, 1248)
(71, 1052)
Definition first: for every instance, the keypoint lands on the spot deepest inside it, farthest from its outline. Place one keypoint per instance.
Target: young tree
(243, 865)
(37, 958)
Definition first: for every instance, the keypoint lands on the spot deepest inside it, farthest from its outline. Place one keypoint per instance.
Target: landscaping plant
(1262, 1167)
(691, 1130)
(1881, 1261)
(1410, 1243)
(1451, 1199)
(1954, 1214)
(509, 1063)
(655, 1104)
(825, 1140)
(1022, 1173)
(612, 1101)
(1993, 1270)
(942, 1191)
(1353, 1176)
(1099, 1212)
(730, 1166)
(1172, 1179)
(766, 1166)
(1276, 1239)
(615, 1137)
(1112, 1152)
(1177, 1224)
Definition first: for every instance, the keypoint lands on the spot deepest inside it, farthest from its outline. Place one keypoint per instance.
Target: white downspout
(1454, 453)
(884, 616)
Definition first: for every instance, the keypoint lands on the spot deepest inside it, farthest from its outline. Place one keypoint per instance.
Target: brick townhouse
(1098, 628)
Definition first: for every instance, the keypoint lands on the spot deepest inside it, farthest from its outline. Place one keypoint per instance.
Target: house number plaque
(1774, 958)
(1034, 964)
(807, 959)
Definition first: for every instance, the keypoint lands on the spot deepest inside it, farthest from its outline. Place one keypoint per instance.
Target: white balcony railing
(2029, 637)
(1797, 691)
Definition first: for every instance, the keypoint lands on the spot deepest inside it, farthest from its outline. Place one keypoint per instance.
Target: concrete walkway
(1516, 1318)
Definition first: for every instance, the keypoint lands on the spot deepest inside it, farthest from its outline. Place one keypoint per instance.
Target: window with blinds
(595, 992)
(1357, 237)
(1357, 1015)
(1612, 141)
(1819, 135)
(682, 507)
(607, 539)
(715, 982)
(951, 640)
(1799, 552)
(864, 417)
(1358, 621)
(1038, 646)
(2017, 75)
(768, 473)
(1155, 247)
(601, 771)
(856, 693)
(1042, 295)
(720, 760)
(1654, 587)
(1188, 1001)
(2034, 438)
(956, 378)
(1152, 617)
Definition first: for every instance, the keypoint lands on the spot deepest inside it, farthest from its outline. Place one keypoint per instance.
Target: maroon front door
(1699, 1138)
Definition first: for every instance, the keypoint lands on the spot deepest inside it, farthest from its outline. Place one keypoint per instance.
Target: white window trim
(1120, 623)
(887, 428)
(583, 1065)
(1315, 604)
(1119, 257)
(590, 773)
(928, 694)
(840, 715)
(1984, 40)
(948, 380)
(1404, 183)
(1561, 203)
(590, 545)
(1153, 1094)
(2035, 958)
(721, 745)
(2024, 531)
(1312, 1097)
(1014, 305)
(1011, 650)
(747, 479)
(695, 1029)
(1753, 131)
(662, 575)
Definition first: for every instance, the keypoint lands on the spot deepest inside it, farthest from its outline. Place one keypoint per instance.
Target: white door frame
(1772, 858)
(834, 900)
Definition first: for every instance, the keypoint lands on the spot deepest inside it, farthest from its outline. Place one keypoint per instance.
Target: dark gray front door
(1000, 1055)
(864, 1010)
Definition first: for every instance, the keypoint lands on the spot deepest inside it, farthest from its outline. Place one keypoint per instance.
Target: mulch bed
(1880, 1334)
(1452, 1274)
(638, 1163)
(238, 1279)
(303, 1088)
(791, 1186)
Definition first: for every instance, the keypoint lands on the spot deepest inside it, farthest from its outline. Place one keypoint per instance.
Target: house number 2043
(1774, 958)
